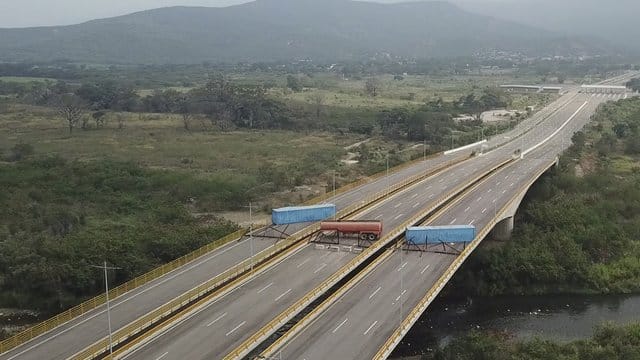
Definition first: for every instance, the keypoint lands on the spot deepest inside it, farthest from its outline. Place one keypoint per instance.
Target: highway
(68, 339)
(73, 336)
(255, 303)
(360, 321)
(178, 341)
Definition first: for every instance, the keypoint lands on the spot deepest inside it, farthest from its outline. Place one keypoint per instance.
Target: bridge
(225, 301)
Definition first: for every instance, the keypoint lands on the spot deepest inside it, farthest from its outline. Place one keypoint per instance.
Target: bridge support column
(502, 231)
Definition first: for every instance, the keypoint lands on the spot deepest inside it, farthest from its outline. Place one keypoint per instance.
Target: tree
(184, 107)
(562, 78)
(100, 118)
(318, 100)
(71, 108)
(372, 86)
(293, 83)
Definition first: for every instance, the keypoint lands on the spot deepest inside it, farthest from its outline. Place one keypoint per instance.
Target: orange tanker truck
(369, 230)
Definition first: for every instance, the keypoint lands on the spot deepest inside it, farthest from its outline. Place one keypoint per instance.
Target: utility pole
(105, 268)
(251, 233)
(334, 192)
(388, 181)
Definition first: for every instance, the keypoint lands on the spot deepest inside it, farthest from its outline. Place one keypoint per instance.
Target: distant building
(603, 89)
(532, 89)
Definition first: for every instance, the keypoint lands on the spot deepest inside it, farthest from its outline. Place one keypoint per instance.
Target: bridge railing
(99, 300)
(314, 294)
(180, 302)
(417, 311)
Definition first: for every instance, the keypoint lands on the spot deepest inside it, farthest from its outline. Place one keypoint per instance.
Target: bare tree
(71, 108)
(121, 121)
(318, 100)
(184, 108)
(372, 86)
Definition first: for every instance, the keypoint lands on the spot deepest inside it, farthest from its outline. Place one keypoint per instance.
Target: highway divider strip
(313, 314)
(417, 311)
(93, 303)
(368, 180)
(314, 294)
(147, 321)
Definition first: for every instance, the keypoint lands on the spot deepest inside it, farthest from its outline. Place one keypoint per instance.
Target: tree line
(579, 229)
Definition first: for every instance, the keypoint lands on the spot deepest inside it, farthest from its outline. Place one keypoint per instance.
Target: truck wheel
(363, 236)
(372, 237)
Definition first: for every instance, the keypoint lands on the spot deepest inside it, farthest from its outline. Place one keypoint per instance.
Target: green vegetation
(331, 31)
(608, 343)
(634, 84)
(59, 217)
(579, 230)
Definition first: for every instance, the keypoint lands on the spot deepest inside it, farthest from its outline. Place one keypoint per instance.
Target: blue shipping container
(301, 214)
(437, 234)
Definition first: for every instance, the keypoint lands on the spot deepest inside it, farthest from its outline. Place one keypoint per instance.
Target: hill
(272, 30)
(614, 21)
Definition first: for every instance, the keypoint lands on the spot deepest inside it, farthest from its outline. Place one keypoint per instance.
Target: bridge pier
(502, 231)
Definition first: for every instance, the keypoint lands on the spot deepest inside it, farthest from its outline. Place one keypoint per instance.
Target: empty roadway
(359, 323)
(394, 211)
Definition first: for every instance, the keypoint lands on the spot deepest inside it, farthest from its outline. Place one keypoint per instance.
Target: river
(561, 318)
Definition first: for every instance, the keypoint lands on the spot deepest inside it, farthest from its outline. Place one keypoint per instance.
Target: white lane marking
(375, 292)
(304, 262)
(325, 255)
(480, 198)
(494, 201)
(484, 211)
(467, 209)
(398, 217)
(425, 269)
(216, 320)
(162, 356)
(324, 265)
(440, 181)
(414, 196)
(513, 183)
(499, 182)
(399, 296)
(504, 191)
(452, 221)
(506, 177)
(235, 328)
(429, 187)
(378, 217)
(283, 294)
(416, 205)
(397, 205)
(339, 326)
(264, 288)
(472, 221)
(403, 265)
(490, 190)
(370, 327)
(124, 300)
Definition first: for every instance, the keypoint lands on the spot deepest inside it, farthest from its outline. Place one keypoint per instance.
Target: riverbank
(563, 319)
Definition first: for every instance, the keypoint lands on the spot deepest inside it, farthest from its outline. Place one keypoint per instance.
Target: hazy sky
(22, 13)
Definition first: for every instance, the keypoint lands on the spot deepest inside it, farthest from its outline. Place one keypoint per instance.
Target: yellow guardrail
(160, 313)
(366, 180)
(311, 296)
(417, 311)
(99, 300)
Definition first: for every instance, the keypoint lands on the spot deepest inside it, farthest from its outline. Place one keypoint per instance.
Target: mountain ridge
(281, 30)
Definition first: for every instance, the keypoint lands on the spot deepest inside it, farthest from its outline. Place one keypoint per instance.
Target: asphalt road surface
(360, 322)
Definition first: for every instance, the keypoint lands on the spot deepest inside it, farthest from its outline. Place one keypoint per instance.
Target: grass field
(160, 141)
(20, 79)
